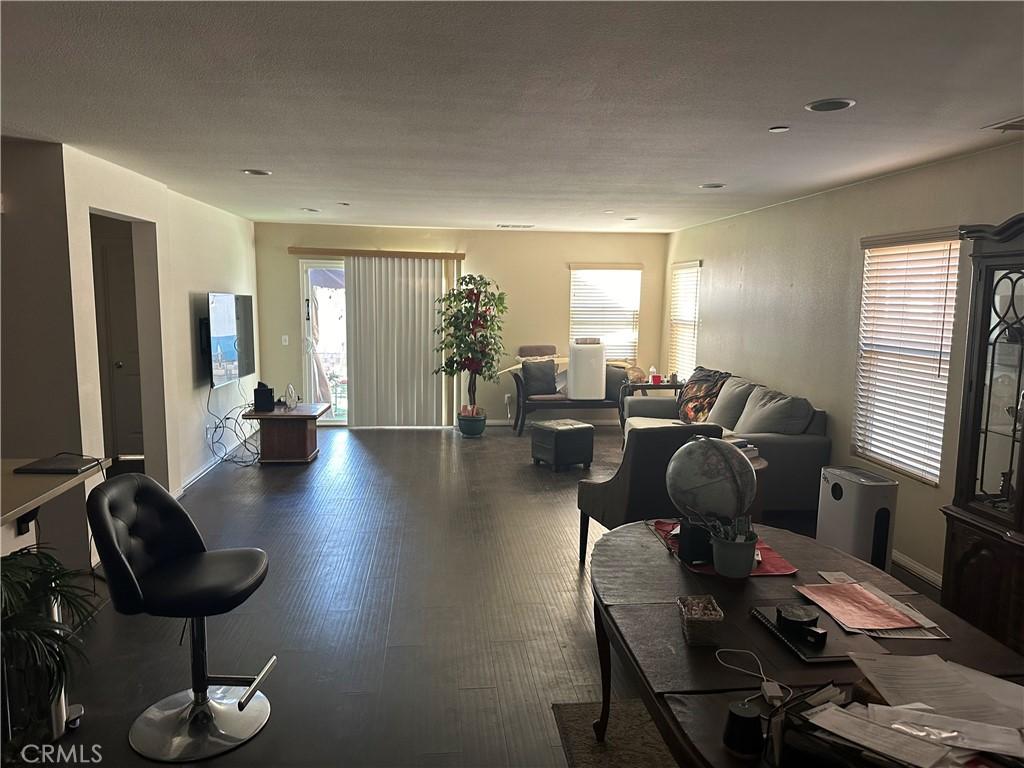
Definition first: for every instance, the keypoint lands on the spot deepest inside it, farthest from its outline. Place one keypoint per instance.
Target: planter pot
(734, 559)
(472, 426)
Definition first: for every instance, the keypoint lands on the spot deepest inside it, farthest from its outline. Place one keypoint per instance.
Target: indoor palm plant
(39, 643)
(469, 327)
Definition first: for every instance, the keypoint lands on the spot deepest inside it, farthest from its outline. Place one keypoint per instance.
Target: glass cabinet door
(997, 481)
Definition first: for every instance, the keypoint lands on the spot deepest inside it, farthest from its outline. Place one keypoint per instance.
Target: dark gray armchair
(637, 489)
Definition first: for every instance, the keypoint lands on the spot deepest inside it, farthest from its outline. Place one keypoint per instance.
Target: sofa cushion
(699, 394)
(730, 402)
(614, 378)
(770, 411)
(539, 377)
(647, 422)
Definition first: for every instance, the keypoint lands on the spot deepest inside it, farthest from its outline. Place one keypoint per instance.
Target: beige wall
(40, 413)
(531, 267)
(780, 299)
(193, 248)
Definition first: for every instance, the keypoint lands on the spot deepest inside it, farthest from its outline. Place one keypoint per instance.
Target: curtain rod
(348, 253)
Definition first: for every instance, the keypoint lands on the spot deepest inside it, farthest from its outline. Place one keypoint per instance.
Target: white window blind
(684, 313)
(906, 329)
(605, 302)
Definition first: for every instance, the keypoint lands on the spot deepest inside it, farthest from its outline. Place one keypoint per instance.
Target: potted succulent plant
(469, 327)
(42, 603)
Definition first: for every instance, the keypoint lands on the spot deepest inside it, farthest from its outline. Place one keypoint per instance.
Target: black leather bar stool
(156, 562)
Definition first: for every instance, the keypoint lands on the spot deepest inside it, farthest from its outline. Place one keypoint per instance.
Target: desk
(288, 435)
(23, 494)
(636, 582)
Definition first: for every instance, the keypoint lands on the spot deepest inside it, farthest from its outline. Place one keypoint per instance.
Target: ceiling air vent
(516, 226)
(1013, 124)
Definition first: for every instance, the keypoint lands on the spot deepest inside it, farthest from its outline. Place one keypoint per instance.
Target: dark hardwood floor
(424, 600)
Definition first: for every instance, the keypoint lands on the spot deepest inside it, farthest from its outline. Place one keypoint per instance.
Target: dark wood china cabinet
(983, 570)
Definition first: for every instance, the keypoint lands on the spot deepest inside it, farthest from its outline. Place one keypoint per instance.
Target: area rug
(632, 739)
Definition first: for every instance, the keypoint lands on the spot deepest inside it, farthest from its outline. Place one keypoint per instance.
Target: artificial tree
(469, 327)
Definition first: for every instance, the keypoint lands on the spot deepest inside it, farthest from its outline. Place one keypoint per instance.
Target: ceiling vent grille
(516, 226)
(1013, 124)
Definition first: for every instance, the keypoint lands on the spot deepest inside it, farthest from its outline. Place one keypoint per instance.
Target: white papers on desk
(1007, 693)
(877, 737)
(902, 680)
(951, 731)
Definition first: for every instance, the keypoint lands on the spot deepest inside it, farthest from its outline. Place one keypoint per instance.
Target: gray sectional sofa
(788, 431)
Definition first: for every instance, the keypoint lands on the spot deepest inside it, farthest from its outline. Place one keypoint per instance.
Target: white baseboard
(210, 464)
(922, 572)
(195, 477)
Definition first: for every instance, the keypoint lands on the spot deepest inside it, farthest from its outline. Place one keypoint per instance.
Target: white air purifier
(857, 512)
(586, 370)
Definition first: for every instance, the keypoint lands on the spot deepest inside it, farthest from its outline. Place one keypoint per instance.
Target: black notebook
(837, 648)
(57, 465)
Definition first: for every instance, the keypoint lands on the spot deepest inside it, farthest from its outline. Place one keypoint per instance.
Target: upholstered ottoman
(562, 442)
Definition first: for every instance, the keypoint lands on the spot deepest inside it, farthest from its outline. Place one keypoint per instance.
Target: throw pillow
(699, 394)
(730, 402)
(539, 377)
(614, 378)
(770, 411)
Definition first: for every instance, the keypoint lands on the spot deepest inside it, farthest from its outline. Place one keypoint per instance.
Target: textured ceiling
(474, 114)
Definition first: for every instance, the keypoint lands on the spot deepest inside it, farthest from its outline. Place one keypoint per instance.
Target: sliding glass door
(325, 345)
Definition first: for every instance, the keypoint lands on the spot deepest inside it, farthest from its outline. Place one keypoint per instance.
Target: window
(906, 328)
(604, 301)
(684, 312)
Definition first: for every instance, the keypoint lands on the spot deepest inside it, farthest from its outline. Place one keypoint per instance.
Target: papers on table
(929, 680)
(951, 731)
(1008, 694)
(854, 606)
(878, 737)
(926, 629)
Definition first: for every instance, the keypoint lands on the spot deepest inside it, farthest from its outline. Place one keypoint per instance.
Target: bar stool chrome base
(177, 730)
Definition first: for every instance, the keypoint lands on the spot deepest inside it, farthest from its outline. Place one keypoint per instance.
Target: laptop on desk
(61, 464)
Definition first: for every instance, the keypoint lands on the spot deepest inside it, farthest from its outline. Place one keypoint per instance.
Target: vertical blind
(605, 302)
(390, 318)
(684, 313)
(906, 330)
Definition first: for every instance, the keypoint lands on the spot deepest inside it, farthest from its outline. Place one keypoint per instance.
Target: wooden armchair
(637, 489)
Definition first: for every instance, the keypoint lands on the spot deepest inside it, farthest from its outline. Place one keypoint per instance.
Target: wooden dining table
(636, 581)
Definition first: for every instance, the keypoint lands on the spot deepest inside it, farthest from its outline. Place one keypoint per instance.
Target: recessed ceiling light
(829, 105)
(712, 185)
(344, 203)
(778, 129)
(632, 218)
(256, 172)
(310, 210)
(608, 211)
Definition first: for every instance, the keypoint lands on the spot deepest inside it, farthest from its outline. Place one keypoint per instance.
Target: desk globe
(712, 477)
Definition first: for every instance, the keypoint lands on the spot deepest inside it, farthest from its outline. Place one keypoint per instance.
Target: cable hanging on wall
(246, 451)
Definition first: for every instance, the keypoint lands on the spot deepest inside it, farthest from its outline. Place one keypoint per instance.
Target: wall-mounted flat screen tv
(232, 349)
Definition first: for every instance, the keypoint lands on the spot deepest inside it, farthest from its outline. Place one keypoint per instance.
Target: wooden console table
(288, 435)
(636, 582)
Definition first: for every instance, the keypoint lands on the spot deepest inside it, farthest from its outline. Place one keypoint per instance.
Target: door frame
(306, 323)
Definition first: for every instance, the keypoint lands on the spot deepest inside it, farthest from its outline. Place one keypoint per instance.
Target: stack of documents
(938, 713)
(862, 607)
